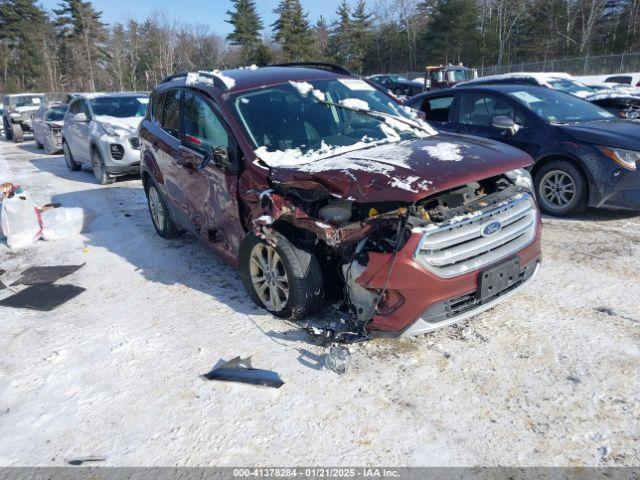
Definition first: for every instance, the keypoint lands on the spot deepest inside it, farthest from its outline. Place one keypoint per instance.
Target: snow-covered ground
(550, 378)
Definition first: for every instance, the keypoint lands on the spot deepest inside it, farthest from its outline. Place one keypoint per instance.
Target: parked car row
(324, 189)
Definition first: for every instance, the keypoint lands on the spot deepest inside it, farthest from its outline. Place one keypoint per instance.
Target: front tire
(39, 146)
(561, 188)
(285, 280)
(99, 169)
(72, 165)
(159, 212)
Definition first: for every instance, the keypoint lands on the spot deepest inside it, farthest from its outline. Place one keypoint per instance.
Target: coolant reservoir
(336, 212)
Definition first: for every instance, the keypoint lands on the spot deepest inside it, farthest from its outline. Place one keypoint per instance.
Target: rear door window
(171, 113)
(203, 130)
(156, 107)
(480, 108)
(437, 109)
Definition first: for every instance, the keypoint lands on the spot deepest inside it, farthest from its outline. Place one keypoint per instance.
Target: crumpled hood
(130, 123)
(613, 133)
(405, 171)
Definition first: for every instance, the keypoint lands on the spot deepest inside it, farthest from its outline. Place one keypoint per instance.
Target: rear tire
(99, 169)
(285, 280)
(160, 216)
(561, 188)
(72, 165)
(7, 131)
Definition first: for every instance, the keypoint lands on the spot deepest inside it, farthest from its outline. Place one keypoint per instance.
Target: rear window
(437, 109)
(55, 114)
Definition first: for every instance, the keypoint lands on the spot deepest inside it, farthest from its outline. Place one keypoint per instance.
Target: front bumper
(120, 155)
(430, 301)
(623, 191)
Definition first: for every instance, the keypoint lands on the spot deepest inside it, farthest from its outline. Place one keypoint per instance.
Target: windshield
(558, 107)
(26, 101)
(120, 107)
(56, 114)
(398, 78)
(569, 86)
(457, 76)
(321, 115)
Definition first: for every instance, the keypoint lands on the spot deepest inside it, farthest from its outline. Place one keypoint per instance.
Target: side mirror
(219, 156)
(505, 124)
(80, 117)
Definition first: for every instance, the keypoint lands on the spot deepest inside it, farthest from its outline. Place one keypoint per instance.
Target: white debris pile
(23, 223)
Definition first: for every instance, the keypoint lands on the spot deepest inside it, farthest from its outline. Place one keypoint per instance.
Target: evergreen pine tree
(359, 36)
(246, 24)
(81, 30)
(339, 41)
(292, 30)
(23, 25)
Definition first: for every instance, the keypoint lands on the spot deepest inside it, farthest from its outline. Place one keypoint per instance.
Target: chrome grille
(459, 246)
(134, 142)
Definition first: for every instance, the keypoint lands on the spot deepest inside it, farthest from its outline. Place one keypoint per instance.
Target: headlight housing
(113, 131)
(625, 158)
(522, 178)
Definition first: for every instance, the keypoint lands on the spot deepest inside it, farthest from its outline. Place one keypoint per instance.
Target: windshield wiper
(379, 115)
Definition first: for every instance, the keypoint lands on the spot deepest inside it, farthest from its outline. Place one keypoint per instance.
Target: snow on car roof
(540, 77)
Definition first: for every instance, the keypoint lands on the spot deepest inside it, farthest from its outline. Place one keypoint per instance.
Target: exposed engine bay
(344, 234)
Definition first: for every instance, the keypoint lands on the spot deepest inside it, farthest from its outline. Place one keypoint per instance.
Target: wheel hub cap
(558, 189)
(269, 277)
(155, 205)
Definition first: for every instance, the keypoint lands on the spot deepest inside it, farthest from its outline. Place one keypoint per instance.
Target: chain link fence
(596, 65)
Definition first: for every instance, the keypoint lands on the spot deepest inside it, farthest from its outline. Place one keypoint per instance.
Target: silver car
(101, 130)
(47, 127)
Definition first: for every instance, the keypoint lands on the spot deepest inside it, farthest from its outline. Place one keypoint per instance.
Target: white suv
(101, 130)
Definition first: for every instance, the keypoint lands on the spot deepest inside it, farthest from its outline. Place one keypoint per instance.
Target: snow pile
(412, 184)
(294, 156)
(250, 67)
(355, 103)
(444, 151)
(197, 77)
(304, 88)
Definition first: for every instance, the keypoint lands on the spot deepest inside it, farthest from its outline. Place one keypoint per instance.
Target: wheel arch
(567, 158)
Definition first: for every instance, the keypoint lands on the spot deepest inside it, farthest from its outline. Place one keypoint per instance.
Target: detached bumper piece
(241, 371)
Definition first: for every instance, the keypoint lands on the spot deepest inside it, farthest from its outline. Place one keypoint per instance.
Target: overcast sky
(210, 12)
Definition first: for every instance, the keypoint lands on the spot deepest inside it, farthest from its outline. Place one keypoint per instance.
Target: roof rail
(216, 80)
(329, 67)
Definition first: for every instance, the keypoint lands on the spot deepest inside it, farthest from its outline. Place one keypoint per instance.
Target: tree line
(72, 49)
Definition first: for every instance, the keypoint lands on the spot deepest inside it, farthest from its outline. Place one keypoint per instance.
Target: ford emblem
(491, 228)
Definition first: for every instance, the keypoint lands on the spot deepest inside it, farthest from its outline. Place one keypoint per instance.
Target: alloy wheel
(157, 209)
(558, 189)
(269, 277)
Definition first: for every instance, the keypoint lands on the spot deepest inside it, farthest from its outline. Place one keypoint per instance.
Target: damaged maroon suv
(324, 191)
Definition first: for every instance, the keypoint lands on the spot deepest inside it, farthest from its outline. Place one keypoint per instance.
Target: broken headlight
(522, 178)
(625, 158)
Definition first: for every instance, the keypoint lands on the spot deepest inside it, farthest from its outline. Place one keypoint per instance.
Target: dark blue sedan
(585, 156)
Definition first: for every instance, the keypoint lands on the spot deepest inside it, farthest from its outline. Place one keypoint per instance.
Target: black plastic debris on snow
(241, 371)
(41, 275)
(42, 297)
(80, 461)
